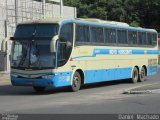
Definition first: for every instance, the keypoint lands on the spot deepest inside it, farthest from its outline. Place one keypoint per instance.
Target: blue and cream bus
(57, 53)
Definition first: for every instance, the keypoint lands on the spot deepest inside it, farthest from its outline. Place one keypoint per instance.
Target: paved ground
(4, 79)
(97, 98)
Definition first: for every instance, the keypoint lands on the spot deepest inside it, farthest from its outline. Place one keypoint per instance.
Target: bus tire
(135, 75)
(39, 89)
(142, 76)
(76, 82)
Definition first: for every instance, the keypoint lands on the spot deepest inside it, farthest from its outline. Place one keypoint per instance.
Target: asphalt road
(99, 98)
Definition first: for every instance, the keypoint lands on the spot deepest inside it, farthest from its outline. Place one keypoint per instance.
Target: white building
(13, 12)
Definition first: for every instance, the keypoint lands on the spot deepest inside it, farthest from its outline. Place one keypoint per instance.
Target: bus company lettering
(120, 52)
(125, 52)
(97, 51)
(113, 52)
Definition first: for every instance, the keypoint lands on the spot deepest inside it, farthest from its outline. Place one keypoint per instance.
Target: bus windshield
(33, 54)
(36, 30)
(31, 46)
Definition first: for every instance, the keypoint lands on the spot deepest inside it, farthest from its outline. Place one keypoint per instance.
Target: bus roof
(48, 20)
(90, 21)
(104, 21)
(112, 24)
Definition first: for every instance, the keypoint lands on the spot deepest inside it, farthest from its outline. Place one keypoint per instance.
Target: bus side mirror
(53, 44)
(68, 44)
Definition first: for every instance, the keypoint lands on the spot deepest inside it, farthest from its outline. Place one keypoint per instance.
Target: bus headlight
(48, 76)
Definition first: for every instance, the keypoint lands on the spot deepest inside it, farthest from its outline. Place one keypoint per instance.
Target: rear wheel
(39, 89)
(143, 74)
(76, 82)
(135, 75)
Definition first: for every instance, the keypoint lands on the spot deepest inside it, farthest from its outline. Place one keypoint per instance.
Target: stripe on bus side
(119, 52)
(91, 76)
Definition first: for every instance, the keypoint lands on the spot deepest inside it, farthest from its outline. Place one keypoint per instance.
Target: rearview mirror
(68, 44)
(53, 44)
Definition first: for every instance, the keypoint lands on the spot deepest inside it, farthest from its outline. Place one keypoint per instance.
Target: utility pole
(44, 8)
(16, 11)
(6, 20)
(61, 8)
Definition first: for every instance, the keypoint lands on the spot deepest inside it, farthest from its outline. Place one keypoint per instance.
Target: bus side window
(132, 36)
(66, 35)
(97, 35)
(142, 38)
(149, 38)
(100, 36)
(110, 35)
(93, 34)
(82, 33)
(122, 36)
(154, 39)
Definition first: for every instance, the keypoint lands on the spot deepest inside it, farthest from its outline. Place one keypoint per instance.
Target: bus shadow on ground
(9, 90)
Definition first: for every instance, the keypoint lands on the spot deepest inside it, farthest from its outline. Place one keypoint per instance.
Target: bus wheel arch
(82, 75)
(77, 80)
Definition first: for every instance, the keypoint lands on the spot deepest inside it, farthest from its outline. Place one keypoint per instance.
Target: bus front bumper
(58, 80)
(42, 82)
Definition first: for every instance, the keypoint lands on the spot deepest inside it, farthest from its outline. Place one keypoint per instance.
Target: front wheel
(39, 89)
(76, 82)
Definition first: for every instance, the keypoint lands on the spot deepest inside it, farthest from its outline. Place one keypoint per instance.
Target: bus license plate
(29, 83)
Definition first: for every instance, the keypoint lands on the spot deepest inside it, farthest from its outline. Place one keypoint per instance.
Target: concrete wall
(3, 60)
(26, 10)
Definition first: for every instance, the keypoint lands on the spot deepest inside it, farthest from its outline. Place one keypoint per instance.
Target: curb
(144, 89)
(137, 92)
(142, 92)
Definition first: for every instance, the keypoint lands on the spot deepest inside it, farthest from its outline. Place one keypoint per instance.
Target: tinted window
(82, 33)
(122, 36)
(97, 34)
(110, 35)
(64, 51)
(36, 30)
(149, 38)
(66, 33)
(154, 39)
(142, 38)
(100, 36)
(132, 37)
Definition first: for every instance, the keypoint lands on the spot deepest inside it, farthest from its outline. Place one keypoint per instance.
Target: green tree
(145, 13)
